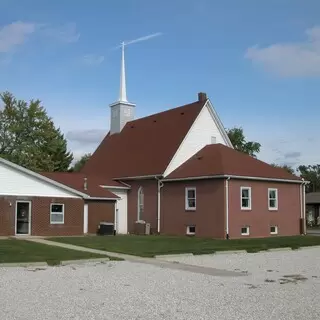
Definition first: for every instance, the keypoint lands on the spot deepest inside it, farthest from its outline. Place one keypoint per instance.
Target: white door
(121, 211)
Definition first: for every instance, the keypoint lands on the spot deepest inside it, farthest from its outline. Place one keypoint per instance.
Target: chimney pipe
(85, 184)
(202, 96)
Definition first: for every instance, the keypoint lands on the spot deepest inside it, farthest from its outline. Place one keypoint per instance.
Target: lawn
(26, 251)
(149, 246)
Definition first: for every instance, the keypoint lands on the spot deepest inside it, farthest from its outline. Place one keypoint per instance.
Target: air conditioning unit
(148, 229)
(141, 227)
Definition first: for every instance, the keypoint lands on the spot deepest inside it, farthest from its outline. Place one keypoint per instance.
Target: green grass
(26, 251)
(149, 246)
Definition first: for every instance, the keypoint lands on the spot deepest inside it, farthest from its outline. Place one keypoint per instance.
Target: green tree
(240, 143)
(285, 167)
(81, 162)
(28, 136)
(311, 173)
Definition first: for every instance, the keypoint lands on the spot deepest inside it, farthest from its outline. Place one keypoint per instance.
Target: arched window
(140, 203)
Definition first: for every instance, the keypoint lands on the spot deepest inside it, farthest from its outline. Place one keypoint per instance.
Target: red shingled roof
(144, 146)
(218, 159)
(75, 181)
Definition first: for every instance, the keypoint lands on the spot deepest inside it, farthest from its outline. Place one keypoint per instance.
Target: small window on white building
(191, 230)
(213, 139)
(190, 199)
(273, 199)
(274, 230)
(245, 198)
(245, 231)
(56, 213)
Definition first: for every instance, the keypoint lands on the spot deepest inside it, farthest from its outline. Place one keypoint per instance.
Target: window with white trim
(245, 231)
(273, 199)
(245, 198)
(190, 199)
(57, 213)
(274, 230)
(140, 203)
(191, 230)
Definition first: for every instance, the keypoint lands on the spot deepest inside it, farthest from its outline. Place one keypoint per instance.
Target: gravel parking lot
(276, 285)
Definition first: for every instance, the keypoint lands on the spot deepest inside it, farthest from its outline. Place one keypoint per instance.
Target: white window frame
(140, 204)
(189, 232)
(245, 233)
(186, 199)
(276, 198)
(62, 213)
(276, 228)
(250, 198)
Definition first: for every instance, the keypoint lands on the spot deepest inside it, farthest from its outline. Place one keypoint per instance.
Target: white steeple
(122, 111)
(123, 90)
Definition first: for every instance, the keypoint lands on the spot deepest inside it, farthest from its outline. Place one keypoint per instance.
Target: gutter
(160, 185)
(227, 208)
(100, 198)
(139, 177)
(223, 176)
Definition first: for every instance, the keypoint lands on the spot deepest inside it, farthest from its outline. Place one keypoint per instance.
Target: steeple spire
(123, 90)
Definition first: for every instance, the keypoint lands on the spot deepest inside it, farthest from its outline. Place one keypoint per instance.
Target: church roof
(145, 146)
(220, 160)
(75, 180)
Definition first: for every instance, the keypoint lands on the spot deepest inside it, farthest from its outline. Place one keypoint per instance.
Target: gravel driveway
(281, 285)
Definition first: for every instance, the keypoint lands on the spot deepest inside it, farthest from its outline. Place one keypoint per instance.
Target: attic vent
(182, 113)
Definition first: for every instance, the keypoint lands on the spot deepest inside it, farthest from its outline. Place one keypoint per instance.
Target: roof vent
(202, 96)
(154, 120)
(85, 184)
(132, 126)
(182, 113)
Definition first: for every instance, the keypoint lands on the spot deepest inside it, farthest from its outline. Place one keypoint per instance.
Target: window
(140, 203)
(273, 230)
(245, 198)
(191, 230)
(273, 199)
(56, 213)
(245, 231)
(190, 198)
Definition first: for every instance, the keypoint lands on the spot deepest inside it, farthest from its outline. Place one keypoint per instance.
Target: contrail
(148, 37)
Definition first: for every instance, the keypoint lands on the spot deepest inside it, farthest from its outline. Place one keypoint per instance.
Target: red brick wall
(209, 214)
(40, 216)
(99, 211)
(150, 188)
(259, 218)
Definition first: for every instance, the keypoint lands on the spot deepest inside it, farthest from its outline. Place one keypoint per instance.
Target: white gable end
(15, 182)
(206, 129)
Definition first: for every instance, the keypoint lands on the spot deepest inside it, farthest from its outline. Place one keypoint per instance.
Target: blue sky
(258, 61)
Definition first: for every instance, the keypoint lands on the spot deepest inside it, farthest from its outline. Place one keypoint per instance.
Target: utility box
(148, 228)
(106, 229)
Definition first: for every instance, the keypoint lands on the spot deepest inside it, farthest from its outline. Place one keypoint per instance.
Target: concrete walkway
(150, 261)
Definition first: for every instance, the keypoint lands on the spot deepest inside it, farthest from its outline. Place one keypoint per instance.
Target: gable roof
(218, 160)
(76, 180)
(145, 146)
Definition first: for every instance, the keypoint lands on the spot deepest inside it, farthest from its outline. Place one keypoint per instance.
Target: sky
(258, 62)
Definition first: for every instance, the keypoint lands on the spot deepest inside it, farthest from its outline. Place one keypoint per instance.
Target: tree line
(29, 138)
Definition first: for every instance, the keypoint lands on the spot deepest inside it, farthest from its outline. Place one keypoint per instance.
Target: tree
(285, 167)
(239, 142)
(29, 138)
(81, 162)
(311, 173)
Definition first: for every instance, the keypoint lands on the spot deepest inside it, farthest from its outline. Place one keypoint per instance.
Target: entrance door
(23, 217)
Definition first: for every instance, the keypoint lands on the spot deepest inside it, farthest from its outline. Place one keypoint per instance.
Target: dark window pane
(272, 203)
(192, 229)
(191, 193)
(245, 203)
(191, 203)
(245, 193)
(57, 208)
(244, 230)
(273, 229)
(272, 194)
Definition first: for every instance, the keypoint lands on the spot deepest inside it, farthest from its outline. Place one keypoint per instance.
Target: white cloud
(92, 59)
(90, 136)
(290, 59)
(65, 33)
(15, 34)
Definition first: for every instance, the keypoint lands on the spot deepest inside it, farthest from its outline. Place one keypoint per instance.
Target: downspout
(227, 208)
(160, 185)
(304, 207)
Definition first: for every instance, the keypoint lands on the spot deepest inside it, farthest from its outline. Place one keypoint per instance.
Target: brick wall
(40, 216)
(99, 211)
